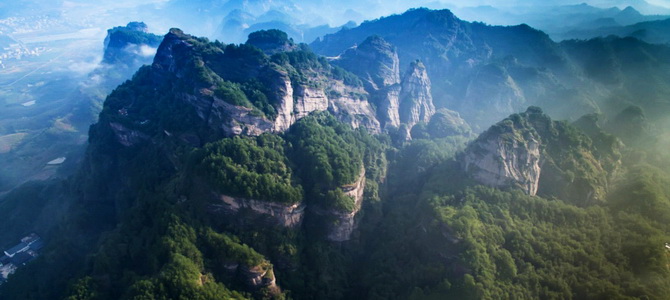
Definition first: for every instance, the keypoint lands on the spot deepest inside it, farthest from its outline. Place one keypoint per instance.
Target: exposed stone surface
(292, 100)
(539, 156)
(375, 61)
(280, 83)
(259, 277)
(241, 119)
(309, 100)
(170, 50)
(501, 162)
(416, 100)
(285, 215)
(127, 137)
(388, 100)
(408, 101)
(345, 222)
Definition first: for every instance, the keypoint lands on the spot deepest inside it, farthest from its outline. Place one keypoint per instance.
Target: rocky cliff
(237, 90)
(488, 72)
(407, 101)
(375, 61)
(344, 222)
(416, 100)
(284, 214)
(509, 158)
(291, 215)
(540, 156)
(258, 277)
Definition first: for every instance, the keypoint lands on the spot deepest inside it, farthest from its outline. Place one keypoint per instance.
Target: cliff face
(388, 100)
(463, 56)
(290, 96)
(536, 154)
(285, 215)
(416, 101)
(258, 277)
(345, 222)
(375, 61)
(291, 216)
(499, 161)
(398, 102)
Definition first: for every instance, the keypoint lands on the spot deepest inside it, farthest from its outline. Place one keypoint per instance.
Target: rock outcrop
(416, 100)
(531, 152)
(345, 223)
(388, 100)
(502, 160)
(285, 215)
(236, 120)
(375, 61)
(398, 102)
(292, 96)
(258, 277)
(127, 137)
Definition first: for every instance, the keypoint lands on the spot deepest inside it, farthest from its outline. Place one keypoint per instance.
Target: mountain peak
(271, 41)
(138, 26)
(374, 60)
(124, 44)
(177, 32)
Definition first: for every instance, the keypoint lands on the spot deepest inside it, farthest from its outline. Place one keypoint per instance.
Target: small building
(21, 258)
(32, 241)
(4, 260)
(21, 247)
(37, 245)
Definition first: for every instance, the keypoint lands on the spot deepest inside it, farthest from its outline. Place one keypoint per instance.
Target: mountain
(534, 158)
(238, 24)
(561, 21)
(403, 102)
(473, 63)
(642, 5)
(653, 32)
(54, 124)
(125, 44)
(233, 21)
(263, 170)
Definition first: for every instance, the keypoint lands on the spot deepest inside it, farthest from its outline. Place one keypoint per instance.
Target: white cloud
(147, 51)
(140, 50)
(82, 67)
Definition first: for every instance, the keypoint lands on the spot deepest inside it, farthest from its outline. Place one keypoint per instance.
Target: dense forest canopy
(188, 189)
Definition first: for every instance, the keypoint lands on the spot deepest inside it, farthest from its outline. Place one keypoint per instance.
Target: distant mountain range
(655, 32)
(566, 21)
(473, 65)
(414, 156)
